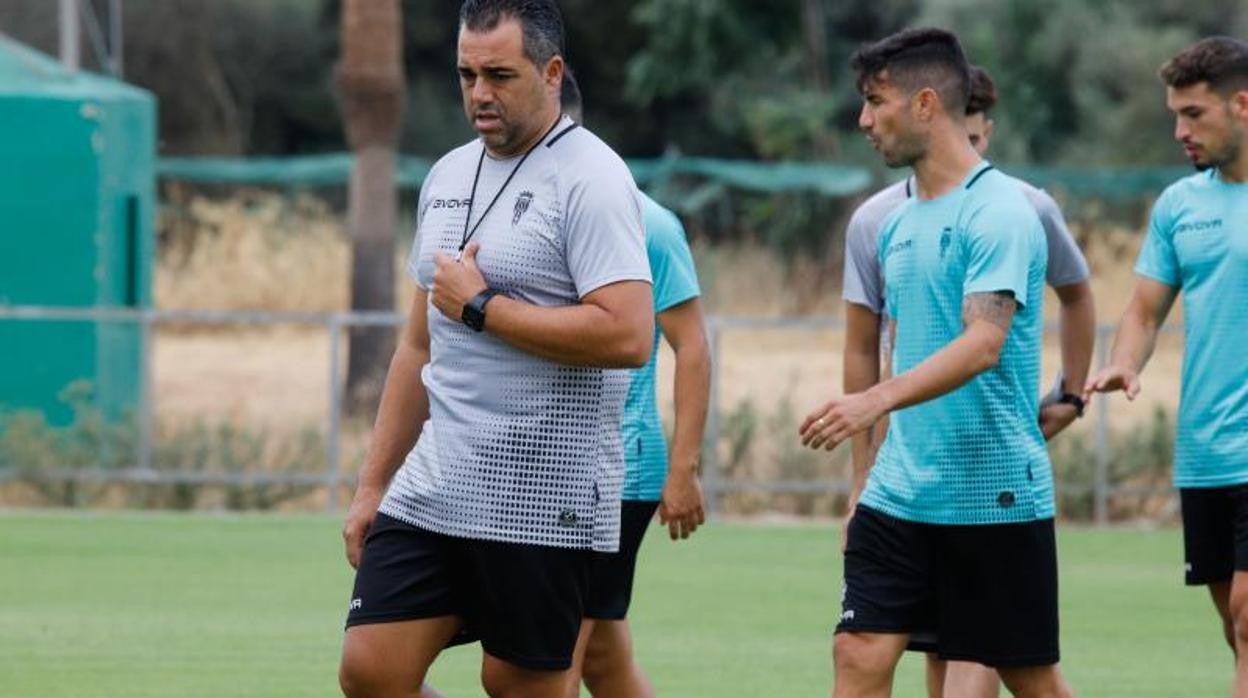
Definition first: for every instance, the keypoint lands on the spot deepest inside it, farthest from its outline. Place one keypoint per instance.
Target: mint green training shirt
(974, 455)
(1198, 242)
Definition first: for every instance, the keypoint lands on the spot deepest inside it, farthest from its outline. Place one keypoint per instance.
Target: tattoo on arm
(997, 307)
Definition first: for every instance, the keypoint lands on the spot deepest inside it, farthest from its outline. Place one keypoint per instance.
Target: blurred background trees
(727, 78)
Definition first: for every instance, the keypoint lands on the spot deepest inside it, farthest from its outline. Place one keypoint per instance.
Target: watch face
(473, 317)
(1074, 401)
(473, 313)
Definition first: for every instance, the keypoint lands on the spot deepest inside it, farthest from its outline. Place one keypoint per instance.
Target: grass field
(201, 605)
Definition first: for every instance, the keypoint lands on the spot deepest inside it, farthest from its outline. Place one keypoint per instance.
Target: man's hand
(457, 282)
(1112, 378)
(359, 519)
(680, 505)
(840, 419)
(1056, 417)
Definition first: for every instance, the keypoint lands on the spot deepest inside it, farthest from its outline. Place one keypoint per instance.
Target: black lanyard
(476, 178)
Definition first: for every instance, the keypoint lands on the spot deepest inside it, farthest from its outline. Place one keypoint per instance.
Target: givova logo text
(1198, 226)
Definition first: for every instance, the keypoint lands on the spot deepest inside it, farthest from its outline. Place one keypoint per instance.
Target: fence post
(1100, 478)
(146, 392)
(332, 476)
(710, 442)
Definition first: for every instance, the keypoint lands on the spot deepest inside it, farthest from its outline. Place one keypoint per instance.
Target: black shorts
(523, 602)
(611, 584)
(1215, 532)
(985, 593)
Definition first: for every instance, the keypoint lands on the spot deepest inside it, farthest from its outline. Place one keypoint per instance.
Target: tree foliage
(728, 78)
(1078, 79)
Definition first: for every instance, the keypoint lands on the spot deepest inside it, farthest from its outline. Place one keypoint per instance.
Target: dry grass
(257, 251)
(265, 251)
(260, 250)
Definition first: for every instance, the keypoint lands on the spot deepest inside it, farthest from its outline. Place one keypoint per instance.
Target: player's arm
(1067, 274)
(880, 430)
(681, 505)
(612, 326)
(1077, 327)
(861, 362)
(1136, 338)
(986, 319)
(1159, 278)
(403, 410)
(860, 371)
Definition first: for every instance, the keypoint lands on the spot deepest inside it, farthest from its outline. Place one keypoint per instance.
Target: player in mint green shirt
(675, 283)
(655, 478)
(952, 541)
(1197, 244)
(967, 456)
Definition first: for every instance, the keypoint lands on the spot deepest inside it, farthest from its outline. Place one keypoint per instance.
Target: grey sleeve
(413, 257)
(1066, 262)
(863, 279)
(606, 240)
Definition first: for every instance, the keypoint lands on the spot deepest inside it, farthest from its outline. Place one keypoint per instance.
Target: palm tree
(371, 86)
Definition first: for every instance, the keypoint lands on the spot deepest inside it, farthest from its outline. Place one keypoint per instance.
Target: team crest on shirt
(946, 239)
(523, 199)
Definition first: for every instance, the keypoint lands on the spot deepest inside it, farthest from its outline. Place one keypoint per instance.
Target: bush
(78, 464)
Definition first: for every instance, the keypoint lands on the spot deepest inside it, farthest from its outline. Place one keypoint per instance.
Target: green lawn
(201, 605)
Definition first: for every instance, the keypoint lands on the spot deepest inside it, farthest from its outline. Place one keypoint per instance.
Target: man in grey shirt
(868, 338)
(496, 463)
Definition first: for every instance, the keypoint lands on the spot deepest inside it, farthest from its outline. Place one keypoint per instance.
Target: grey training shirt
(517, 448)
(864, 280)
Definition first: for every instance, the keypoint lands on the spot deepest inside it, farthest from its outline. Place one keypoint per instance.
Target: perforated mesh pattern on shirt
(517, 449)
(974, 455)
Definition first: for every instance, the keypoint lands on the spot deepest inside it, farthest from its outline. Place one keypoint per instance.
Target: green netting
(827, 179)
(321, 170)
(1101, 183)
(307, 170)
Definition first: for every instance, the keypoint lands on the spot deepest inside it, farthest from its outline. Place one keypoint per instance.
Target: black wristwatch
(474, 310)
(1072, 399)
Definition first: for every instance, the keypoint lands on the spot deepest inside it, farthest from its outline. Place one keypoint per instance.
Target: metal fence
(333, 477)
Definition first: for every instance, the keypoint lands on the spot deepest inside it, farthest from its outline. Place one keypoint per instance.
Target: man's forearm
(1135, 341)
(861, 372)
(403, 410)
(973, 352)
(1078, 335)
(692, 397)
(575, 335)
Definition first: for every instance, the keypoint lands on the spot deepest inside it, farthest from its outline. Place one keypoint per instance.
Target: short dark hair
(983, 96)
(540, 20)
(918, 58)
(570, 94)
(1220, 61)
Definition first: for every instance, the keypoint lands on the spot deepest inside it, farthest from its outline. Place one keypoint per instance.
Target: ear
(925, 104)
(989, 124)
(1239, 105)
(553, 73)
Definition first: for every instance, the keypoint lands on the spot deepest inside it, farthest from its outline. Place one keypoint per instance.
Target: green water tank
(77, 197)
